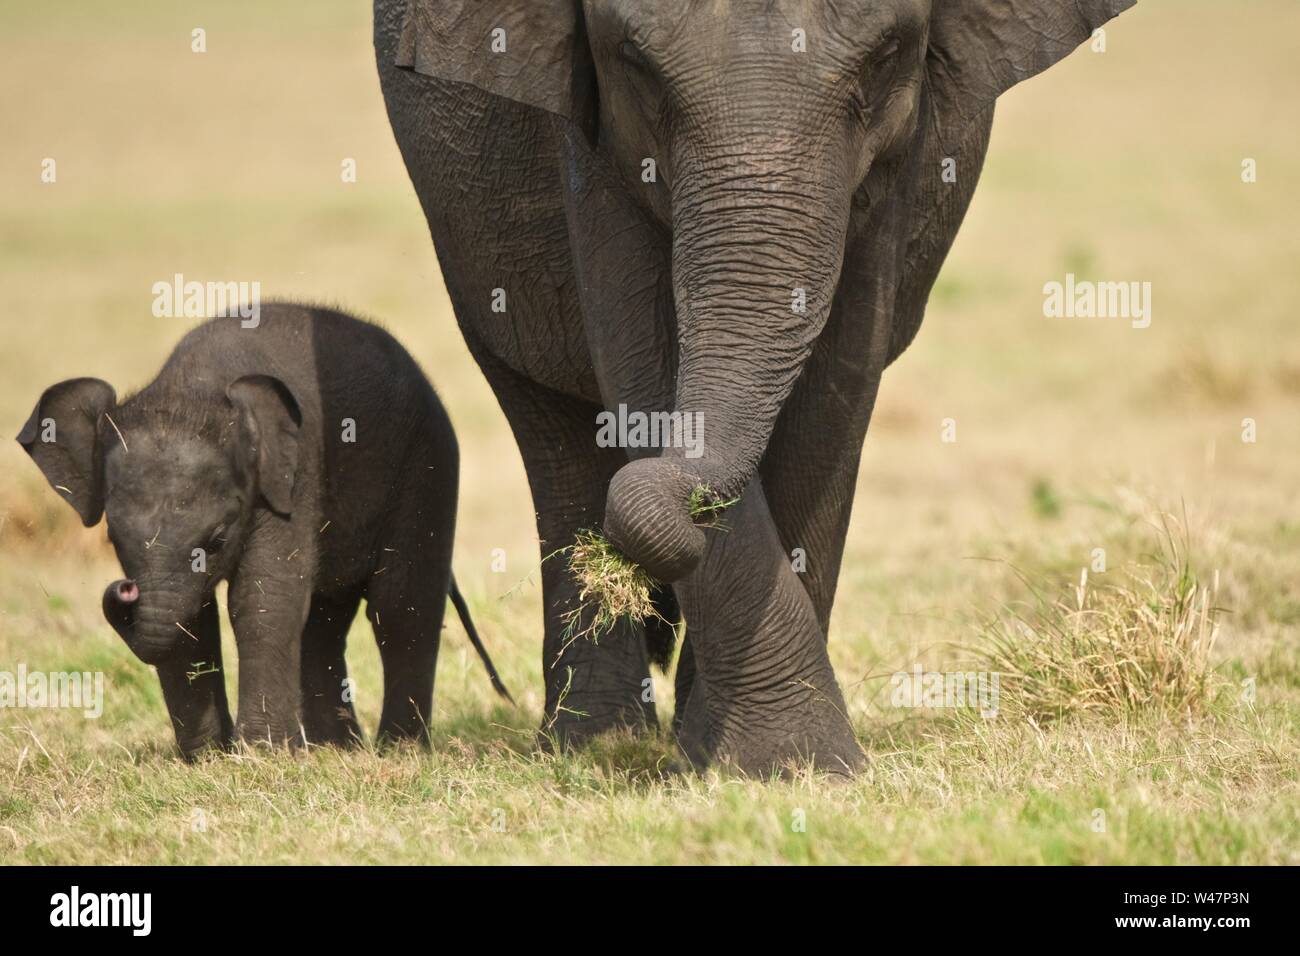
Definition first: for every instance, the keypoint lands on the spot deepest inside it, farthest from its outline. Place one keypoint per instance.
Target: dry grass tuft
(614, 588)
(611, 587)
(1140, 644)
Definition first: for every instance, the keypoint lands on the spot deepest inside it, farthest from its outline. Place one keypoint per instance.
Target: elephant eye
(877, 76)
(630, 54)
(883, 60)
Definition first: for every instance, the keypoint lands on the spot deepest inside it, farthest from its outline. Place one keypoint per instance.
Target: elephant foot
(261, 734)
(208, 733)
(577, 720)
(776, 738)
(828, 750)
(595, 687)
(194, 749)
(346, 736)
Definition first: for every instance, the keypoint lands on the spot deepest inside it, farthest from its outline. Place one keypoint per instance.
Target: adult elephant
(730, 208)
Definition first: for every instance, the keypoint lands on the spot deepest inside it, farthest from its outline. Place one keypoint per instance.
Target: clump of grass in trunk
(615, 588)
(705, 506)
(1141, 643)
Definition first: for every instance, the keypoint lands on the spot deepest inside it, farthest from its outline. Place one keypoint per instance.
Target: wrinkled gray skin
(776, 171)
(237, 448)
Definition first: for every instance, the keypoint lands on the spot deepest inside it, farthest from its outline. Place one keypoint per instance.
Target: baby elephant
(306, 461)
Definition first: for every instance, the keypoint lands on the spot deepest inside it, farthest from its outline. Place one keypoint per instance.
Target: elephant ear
(62, 436)
(269, 425)
(979, 49)
(530, 51)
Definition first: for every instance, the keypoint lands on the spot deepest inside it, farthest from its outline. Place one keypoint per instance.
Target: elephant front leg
(764, 697)
(593, 684)
(328, 716)
(268, 612)
(194, 688)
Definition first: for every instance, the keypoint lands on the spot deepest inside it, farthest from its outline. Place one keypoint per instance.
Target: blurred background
(1119, 166)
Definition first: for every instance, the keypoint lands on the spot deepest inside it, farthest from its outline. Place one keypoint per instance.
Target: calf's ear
(270, 423)
(62, 436)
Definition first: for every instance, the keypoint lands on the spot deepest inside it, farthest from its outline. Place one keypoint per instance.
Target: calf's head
(180, 477)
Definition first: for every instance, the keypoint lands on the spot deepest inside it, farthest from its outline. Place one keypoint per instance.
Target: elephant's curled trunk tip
(649, 517)
(653, 535)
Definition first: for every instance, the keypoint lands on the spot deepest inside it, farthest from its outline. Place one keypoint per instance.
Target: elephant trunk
(757, 250)
(148, 625)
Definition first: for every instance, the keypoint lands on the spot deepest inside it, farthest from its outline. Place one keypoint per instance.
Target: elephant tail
(661, 627)
(462, 609)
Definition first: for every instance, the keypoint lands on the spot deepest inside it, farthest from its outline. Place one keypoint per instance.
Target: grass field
(1072, 435)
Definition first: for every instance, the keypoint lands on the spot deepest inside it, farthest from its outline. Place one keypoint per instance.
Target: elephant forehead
(752, 25)
(147, 467)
